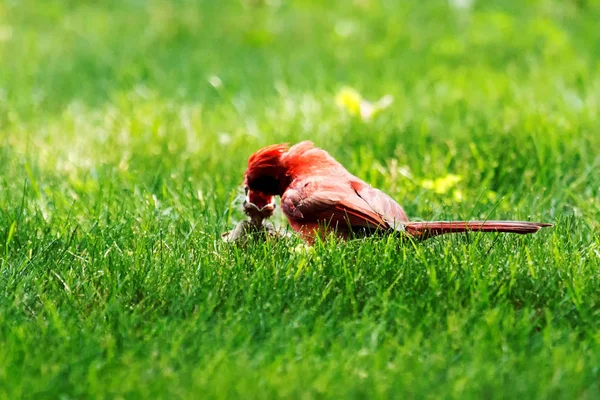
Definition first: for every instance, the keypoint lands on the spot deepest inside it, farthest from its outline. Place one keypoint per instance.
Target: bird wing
(380, 203)
(334, 202)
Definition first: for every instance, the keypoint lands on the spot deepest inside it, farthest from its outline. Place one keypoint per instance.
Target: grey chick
(256, 226)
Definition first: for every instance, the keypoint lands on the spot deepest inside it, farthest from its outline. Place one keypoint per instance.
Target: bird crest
(265, 168)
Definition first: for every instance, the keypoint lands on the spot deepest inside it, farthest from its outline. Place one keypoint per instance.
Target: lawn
(125, 128)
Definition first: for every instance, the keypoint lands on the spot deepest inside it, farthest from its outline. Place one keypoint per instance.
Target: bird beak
(260, 201)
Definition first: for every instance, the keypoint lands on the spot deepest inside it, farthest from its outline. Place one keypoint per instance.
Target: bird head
(258, 207)
(264, 179)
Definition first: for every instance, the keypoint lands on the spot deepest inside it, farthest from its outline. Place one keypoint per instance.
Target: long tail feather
(425, 230)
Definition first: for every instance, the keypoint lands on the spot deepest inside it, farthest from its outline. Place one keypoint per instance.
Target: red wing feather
(357, 216)
(380, 203)
(340, 208)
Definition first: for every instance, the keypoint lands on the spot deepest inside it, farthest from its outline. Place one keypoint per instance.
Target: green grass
(125, 127)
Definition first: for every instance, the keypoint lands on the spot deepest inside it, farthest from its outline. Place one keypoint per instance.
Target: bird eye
(246, 189)
(265, 185)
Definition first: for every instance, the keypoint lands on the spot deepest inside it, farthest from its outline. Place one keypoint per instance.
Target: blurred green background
(125, 127)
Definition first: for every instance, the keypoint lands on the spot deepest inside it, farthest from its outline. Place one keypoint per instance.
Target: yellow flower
(351, 101)
(443, 184)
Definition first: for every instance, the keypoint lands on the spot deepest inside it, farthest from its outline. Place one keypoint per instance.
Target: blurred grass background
(125, 127)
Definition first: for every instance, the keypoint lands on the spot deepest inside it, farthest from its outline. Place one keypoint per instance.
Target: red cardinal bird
(318, 195)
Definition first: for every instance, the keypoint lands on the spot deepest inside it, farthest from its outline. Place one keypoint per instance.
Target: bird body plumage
(319, 195)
